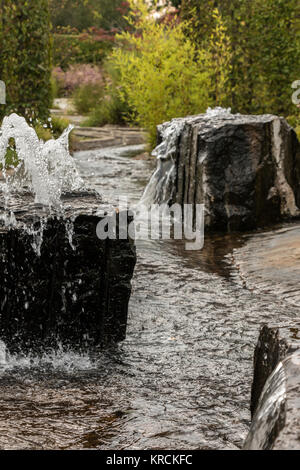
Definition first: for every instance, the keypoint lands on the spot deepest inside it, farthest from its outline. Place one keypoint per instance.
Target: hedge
(25, 57)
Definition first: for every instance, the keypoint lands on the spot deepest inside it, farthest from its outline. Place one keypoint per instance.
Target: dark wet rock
(275, 400)
(245, 169)
(76, 292)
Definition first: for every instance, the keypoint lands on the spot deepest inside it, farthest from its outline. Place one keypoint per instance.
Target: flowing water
(181, 379)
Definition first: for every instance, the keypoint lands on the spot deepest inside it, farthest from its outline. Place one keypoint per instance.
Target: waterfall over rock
(275, 403)
(244, 169)
(45, 168)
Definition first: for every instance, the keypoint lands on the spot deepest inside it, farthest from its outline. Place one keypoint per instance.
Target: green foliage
(11, 157)
(219, 48)
(162, 73)
(76, 49)
(25, 57)
(54, 89)
(58, 125)
(86, 96)
(111, 110)
(265, 49)
(82, 14)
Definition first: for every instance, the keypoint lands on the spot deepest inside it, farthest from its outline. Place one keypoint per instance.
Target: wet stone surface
(181, 379)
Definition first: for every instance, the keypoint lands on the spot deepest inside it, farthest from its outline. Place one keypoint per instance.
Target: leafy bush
(43, 133)
(294, 121)
(11, 157)
(25, 57)
(85, 97)
(76, 76)
(82, 14)
(163, 75)
(54, 89)
(265, 49)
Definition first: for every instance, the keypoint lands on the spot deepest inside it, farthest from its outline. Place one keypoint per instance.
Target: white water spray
(45, 169)
(160, 187)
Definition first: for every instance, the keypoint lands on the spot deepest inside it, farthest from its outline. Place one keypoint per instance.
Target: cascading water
(45, 169)
(162, 183)
(160, 186)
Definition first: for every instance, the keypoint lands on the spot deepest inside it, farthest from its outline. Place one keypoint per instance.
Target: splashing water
(45, 168)
(218, 111)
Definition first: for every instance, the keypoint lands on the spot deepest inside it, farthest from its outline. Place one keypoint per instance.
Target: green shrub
(86, 96)
(69, 49)
(266, 49)
(58, 125)
(294, 121)
(11, 157)
(25, 57)
(111, 110)
(43, 133)
(112, 107)
(54, 89)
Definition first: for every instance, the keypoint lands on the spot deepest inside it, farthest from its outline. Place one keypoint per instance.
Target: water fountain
(61, 285)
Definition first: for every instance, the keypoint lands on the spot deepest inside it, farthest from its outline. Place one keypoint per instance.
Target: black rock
(245, 169)
(76, 292)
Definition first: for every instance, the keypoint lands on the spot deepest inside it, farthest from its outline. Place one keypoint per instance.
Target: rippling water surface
(181, 379)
